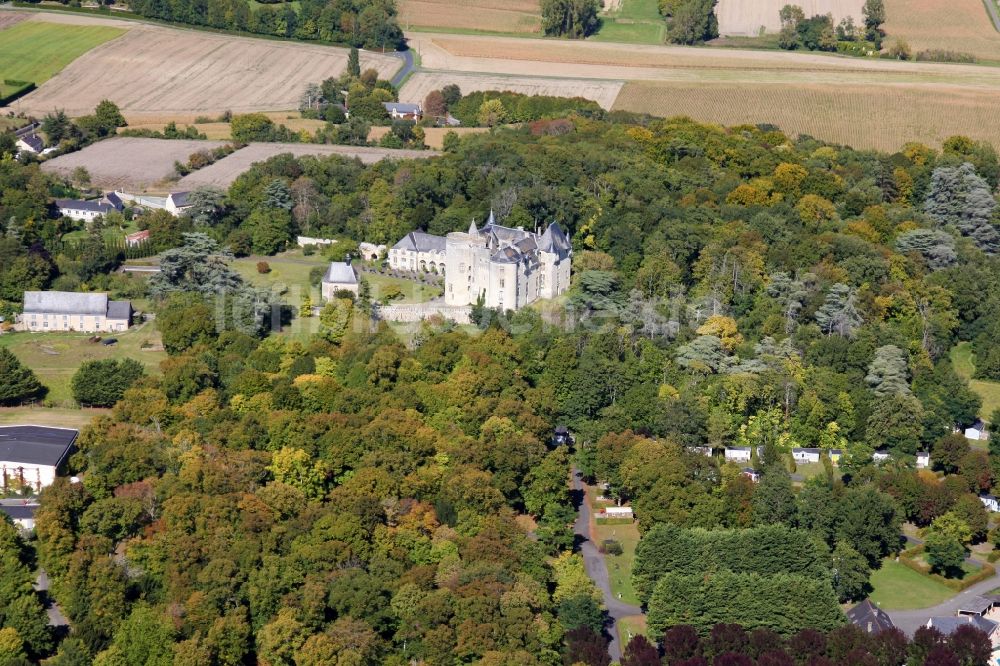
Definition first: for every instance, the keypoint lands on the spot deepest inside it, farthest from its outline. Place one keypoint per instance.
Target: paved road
(408, 66)
(594, 564)
(910, 620)
(991, 9)
(56, 617)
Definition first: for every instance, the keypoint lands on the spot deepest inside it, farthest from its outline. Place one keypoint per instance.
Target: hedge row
(20, 89)
(908, 558)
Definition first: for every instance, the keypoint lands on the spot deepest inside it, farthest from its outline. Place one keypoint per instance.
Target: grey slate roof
(34, 142)
(65, 302)
(35, 445)
(870, 618)
(401, 107)
(554, 240)
(805, 450)
(340, 273)
(19, 511)
(419, 241)
(119, 310)
(115, 200)
(78, 204)
(947, 625)
(977, 605)
(180, 199)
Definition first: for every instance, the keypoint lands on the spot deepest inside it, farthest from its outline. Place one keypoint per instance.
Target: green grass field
(60, 417)
(55, 357)
(413, 292)
(897, 587)
(636, 22)
(964, 362)
(34, 51)
(620, 566)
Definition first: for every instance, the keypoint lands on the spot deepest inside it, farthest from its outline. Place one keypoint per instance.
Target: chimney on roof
(347, 259)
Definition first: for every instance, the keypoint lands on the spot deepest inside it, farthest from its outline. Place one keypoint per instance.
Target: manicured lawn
(620, 566)
(62, 417)
(964, 361)
(413, 292)
(35, 51)
(897, 587)
(55, 357)
(636, 22)
(288, 270)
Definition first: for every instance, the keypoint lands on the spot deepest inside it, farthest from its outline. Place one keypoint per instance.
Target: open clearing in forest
(863, 117)
(421, 83)
(954, 25)
(128, 162)
(35, 51)
(154, 70)
(225, 171)
(963, 360)
(517, 16)
(56, 356)
(743, 17)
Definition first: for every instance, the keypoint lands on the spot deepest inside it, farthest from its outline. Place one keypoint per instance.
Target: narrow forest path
(597, 570)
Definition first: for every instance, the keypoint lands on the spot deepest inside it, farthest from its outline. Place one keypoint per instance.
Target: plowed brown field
(489, 15)
(743, 17)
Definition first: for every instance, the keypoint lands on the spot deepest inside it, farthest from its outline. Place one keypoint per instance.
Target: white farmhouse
(31, 456)
(73, 311)
(83, 211)
(990, 502)
(403, 110)
(30, 143)
(339, 277)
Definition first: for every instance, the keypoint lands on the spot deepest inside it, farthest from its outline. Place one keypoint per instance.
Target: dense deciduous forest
(363, 499)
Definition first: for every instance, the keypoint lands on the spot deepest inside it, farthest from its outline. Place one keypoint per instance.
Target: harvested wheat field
(226, 170)
(744, 17)
(602, 92)
(127, 161)
(154, 71)
(954, 25)
(863, 117)
(517, 16)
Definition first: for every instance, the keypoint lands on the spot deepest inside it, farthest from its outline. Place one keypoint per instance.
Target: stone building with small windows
(418, 252)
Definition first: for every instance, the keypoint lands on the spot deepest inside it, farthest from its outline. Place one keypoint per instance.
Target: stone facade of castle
(508, 268)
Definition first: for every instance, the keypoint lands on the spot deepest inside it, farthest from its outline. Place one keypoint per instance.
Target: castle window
(501, 283)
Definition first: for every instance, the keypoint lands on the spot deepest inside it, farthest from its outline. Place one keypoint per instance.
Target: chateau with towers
(508, 268)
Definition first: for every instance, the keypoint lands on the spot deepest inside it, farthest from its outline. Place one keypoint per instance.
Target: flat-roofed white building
(31, 456)
(73, 311)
